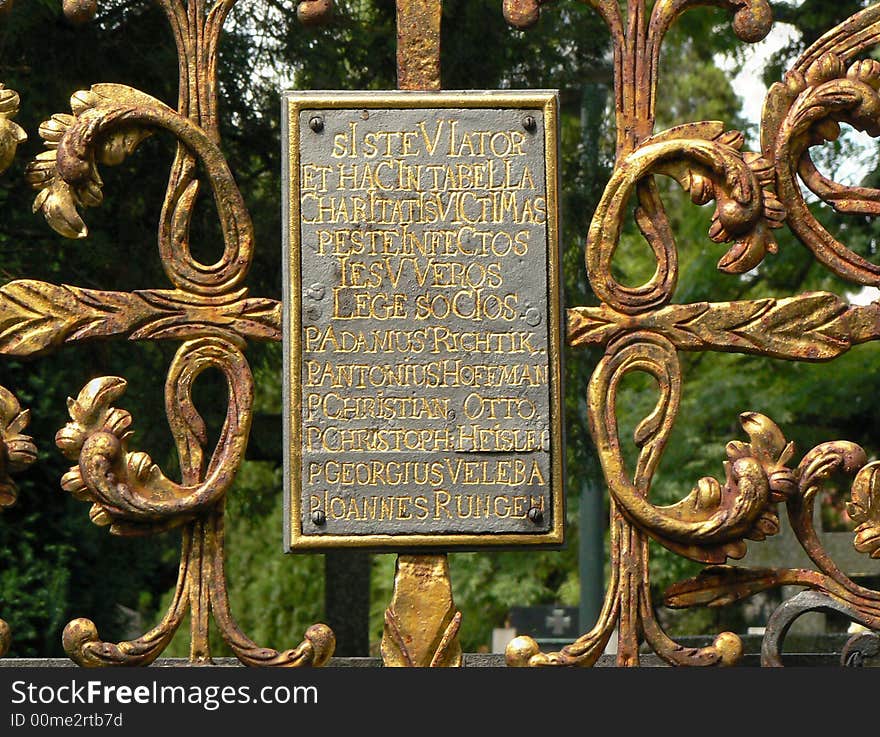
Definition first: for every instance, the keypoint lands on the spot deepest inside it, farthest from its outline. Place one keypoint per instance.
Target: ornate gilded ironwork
(754, 193)
(421, 623)
(17, 452)
(208, 309)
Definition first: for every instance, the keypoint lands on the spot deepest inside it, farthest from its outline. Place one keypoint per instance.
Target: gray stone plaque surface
(422, 321)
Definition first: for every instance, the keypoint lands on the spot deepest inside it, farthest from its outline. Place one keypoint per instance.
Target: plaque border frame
(292, 104)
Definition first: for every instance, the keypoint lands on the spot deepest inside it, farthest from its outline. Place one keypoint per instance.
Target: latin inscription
(425, 323)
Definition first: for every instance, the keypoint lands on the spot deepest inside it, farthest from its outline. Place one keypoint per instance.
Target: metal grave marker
(422, 321)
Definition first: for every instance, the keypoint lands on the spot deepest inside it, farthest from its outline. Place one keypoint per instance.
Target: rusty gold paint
(421, 623)
(418, 44)
(17, 450)
(208, 310)
(640, 329)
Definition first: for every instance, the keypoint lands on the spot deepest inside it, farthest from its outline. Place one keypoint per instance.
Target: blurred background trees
(55, 565)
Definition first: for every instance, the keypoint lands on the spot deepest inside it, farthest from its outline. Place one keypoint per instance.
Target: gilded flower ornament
(91, 414)
(864, 509)
(66, 173)
(11, 133)
(17, 450)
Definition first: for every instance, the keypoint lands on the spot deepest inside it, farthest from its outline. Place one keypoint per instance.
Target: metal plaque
(422, 321)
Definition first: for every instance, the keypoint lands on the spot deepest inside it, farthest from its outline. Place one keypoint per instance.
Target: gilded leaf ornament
(36, 317)
(127, 490)
(642, 330)
(208, 310)
(17, 452)
(707, 162)
(639, 328)
(815, 326)
(11, 133)
(828, 85)
(864, 510)
(107, 124)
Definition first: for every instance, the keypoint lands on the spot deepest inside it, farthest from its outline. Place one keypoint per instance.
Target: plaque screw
(535, 515)
(529, 123)
(316, 291)
(316, 123)
(532, 317)
(318, 517)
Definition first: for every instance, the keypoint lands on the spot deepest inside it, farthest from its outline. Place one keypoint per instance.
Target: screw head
(316, 123)
(529, 123)
(318, 517)
(535, 515)
(316, 291)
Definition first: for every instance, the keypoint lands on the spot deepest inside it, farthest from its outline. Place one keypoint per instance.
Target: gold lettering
(421, 505)
(332, 508)
(423, 231)
(441, 501)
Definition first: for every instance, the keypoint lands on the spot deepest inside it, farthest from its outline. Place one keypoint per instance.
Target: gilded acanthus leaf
(746, 207)
(66, 173)
(421, 623)
(58, 199)
(17, 450)
(757, 478)
(126, 488)
(712, 523)
(11, 134)
(838, 456)
(36, 316)
(828, 85)
(717, 586)
(178, 314)
(804, 325)
(814, 326)
(864, 510)
(708, 163)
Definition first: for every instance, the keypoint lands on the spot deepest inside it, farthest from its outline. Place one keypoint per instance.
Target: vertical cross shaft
(421, 623)
(418, 44)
